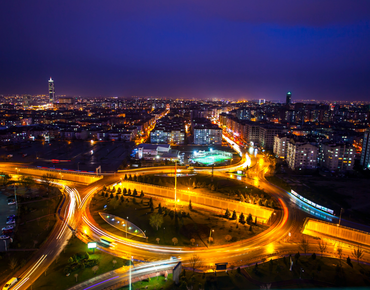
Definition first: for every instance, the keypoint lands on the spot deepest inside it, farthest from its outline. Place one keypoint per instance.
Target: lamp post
(129, 283)
(78, 166)
(340, 216)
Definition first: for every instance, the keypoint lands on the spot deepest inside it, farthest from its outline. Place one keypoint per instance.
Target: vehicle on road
(106, 242)
(10, 283)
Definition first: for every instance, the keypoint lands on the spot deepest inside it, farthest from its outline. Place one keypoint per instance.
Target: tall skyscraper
(51, 91)
(365, 154)
(288, 98)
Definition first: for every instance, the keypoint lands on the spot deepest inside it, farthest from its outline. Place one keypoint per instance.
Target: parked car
(7, 231)
(9, 227)
(10, 220)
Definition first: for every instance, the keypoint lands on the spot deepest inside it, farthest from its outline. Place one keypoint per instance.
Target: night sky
(317, 49)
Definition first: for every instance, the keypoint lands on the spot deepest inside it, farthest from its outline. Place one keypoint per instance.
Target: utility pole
(175, 182)
(340, 216)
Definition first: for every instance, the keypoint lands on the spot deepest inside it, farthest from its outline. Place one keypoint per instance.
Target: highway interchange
(74, 215)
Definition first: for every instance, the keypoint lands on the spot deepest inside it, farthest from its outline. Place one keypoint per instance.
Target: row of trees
(110, 192)
(242, 218)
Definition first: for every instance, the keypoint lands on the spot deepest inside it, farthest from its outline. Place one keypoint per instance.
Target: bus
(106, 242)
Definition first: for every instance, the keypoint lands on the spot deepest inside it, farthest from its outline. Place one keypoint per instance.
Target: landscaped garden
(186, 225)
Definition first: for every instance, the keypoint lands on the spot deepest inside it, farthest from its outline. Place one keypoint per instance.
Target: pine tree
(142, 194)
(234, 215)
(129, 192)
(241, 218)
(227, 214)
(124, 191)
(249, 219)
(130, 177)
(135, 192)
(125, 177)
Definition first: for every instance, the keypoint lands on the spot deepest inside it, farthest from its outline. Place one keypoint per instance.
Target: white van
(10, 283)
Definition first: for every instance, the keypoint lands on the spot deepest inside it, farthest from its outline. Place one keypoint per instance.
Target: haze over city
(188, 49)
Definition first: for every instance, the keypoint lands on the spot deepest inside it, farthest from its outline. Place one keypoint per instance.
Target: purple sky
(317, 49)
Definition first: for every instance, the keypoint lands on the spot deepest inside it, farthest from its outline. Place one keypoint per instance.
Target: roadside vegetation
(76, 264)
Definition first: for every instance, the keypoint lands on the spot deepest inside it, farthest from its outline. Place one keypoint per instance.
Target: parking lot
(5, 211)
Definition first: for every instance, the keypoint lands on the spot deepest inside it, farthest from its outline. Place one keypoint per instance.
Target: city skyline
(188, 50)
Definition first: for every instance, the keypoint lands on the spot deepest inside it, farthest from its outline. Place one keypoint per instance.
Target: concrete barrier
(261, 212)
(61, 174)
(318, 228)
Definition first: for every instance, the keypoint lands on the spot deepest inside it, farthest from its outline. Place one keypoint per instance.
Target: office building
(51, 91)
(288, 98)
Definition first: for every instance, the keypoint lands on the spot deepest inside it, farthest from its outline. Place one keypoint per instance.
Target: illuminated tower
(288, 98)
(51, 91)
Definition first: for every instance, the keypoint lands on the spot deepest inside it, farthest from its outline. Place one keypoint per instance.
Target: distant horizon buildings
(51, 90)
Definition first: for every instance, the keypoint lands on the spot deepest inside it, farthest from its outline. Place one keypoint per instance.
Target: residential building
(301, 155)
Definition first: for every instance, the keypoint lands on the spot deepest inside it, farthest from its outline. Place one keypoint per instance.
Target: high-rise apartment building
(281, 145)
(337, 156)
(51, 91)
(301, 155)
(365, 154)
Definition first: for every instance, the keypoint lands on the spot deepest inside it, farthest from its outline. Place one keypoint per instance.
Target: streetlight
(78, 166)
(210, 233)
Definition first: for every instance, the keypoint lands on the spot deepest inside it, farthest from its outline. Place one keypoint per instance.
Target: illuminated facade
(365, 154)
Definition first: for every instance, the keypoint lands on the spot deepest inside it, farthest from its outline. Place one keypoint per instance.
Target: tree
(157, 239)
(27, 181)
(313, 256)
(135, 192)
(124, 191)
(4, 179)
(156, 220)
(322, 246)
(242, 199)
(296, 256)
(234, 215)
(175, 241)
(249, 219)
(13, 263)
(142, 194)
(151, 202)
(95, 269)
(194, 262)
(129, 192)
(304, 246)
(358, 254)
(228, 238)
(340, 253)
(129, 177)
(190, 207)
(159, 208)
(47, 181)
(349, 262)
(125, 177)
(227, 214)
(192, 241)
(241, 218)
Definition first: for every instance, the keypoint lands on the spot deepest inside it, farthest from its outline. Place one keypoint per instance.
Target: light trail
(87, 196)
(71, 210)
(30, 272)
